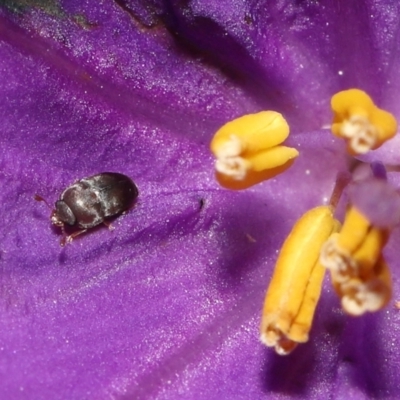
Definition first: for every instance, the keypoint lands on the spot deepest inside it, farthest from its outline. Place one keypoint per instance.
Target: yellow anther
(354, 230)
(354, 256)
(355, 250)
(296, 283)
(248, 150)
(360, 122)
(368, 254)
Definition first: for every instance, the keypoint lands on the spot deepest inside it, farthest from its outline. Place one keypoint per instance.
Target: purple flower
(167, 305)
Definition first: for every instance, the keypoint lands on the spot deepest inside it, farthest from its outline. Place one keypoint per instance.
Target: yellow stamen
(359, 296)
(296, 283)
(355, 250)
(248, 150)
(370, 251)
(354, 256)
(360, 122)
(354, 230)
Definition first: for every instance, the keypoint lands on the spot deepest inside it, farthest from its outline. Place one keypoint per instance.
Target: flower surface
(167, 305)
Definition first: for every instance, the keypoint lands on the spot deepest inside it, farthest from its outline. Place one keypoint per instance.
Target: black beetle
(92, 201)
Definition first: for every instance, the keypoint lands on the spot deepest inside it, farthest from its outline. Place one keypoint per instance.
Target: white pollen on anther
(229, 162)
(340, 73)
(361, 133)
(338, 260)
(362, 297)
(308, 172)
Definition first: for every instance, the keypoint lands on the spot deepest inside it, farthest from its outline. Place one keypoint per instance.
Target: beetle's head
(62, 214)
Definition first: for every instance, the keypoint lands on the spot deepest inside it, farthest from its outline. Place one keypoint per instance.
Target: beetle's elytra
(92, 201)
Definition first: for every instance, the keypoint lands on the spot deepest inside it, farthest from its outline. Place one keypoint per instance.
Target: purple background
(167, 305)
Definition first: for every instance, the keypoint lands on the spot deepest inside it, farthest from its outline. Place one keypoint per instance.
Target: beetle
(92, 201)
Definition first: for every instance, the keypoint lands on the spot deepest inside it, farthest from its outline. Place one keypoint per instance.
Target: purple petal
(378, 201)
(167, 305)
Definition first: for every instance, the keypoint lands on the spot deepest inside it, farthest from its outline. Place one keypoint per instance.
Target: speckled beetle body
(91, 201)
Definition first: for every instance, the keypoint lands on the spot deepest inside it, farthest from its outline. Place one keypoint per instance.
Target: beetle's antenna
(40, 198)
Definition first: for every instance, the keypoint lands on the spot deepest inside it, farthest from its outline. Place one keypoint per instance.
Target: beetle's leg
(108, 225)
(69, 238)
